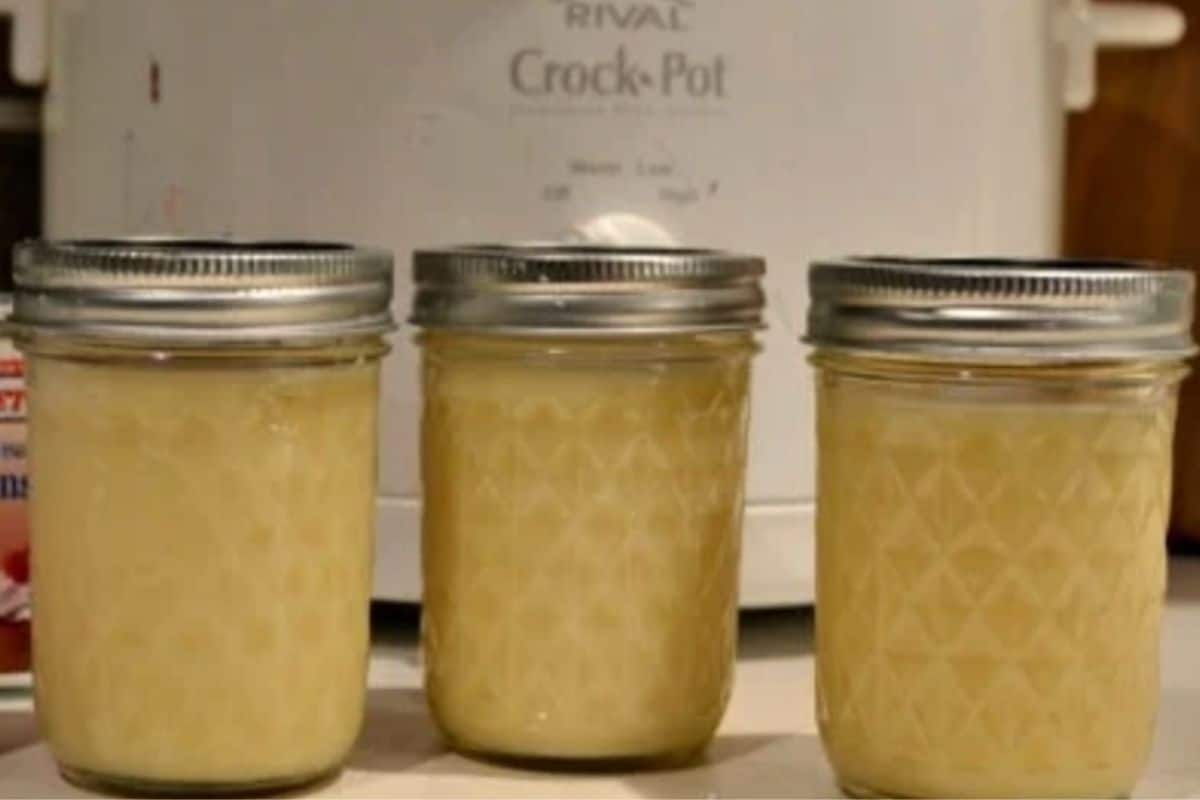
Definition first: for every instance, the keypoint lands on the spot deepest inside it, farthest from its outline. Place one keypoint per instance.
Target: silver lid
(1001, 309)
(210, 293)
(586, 290)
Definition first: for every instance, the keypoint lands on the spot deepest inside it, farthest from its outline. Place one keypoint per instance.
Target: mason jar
(203, 443)
(994, 476)
(583, 460)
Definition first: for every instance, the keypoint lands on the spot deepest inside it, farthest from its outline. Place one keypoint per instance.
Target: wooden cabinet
(20, 162)
(1133, 191)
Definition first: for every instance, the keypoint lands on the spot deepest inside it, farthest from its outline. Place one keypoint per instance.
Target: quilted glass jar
(583, 459)
(993, 491)
(203, 436)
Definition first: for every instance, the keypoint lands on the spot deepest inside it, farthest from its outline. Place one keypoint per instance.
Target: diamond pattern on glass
(990, 580)
(581, 540)
(202, 571)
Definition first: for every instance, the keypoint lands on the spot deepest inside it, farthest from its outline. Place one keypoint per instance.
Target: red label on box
(14, 524)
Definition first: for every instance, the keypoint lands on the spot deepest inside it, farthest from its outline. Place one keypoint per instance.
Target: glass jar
(203, 443)
(583, 460)
(994, 463)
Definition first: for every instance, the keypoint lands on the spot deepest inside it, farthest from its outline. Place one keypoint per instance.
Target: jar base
(578, 764)
(861, 793)
(142, 787)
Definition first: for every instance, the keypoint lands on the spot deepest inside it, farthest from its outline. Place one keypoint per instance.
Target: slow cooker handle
(27, 60)
(1082, 27)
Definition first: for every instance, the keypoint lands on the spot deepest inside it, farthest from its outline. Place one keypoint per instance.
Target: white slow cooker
(791, 128)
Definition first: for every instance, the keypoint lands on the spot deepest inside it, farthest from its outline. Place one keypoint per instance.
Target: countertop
(767, 746)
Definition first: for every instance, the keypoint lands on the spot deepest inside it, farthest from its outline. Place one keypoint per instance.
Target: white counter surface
(767, 746)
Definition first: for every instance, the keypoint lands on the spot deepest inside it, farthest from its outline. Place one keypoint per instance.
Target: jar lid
(1001, 309)
(183, 291)
(586, 290)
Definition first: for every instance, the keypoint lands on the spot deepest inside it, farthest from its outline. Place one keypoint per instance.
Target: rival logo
(590, 15)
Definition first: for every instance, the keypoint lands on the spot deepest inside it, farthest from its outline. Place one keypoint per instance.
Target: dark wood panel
(20, 169)
(20, 195)
(1133, 191)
